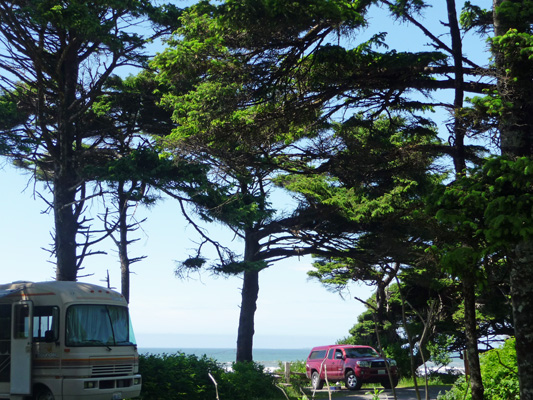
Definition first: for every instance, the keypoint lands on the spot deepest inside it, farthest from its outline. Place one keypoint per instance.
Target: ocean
(270, 358)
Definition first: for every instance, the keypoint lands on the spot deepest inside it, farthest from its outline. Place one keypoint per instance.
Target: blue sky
(293, 312)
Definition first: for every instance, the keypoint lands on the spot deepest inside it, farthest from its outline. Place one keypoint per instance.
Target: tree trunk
(245, 337)
(522, 298)
(65, 181)
(469, 294)
(66, 227)
(459, 129)
(250, 292)
(515, 85)
(468, 278)
(123, 241)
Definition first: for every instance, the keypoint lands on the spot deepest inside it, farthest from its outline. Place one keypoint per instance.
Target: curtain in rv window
(97, 325)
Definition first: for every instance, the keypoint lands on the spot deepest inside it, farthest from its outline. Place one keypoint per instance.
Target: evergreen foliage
(56, 60)
(500, 376)
(185, 377)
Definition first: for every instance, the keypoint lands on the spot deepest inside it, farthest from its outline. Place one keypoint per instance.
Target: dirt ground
(401, 393)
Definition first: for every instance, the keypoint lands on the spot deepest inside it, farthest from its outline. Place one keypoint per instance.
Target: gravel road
(401, 393)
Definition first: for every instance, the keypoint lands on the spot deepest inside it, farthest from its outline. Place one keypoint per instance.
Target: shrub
(500, 376)
(248, 381)
(185, 377)
(500, 372)
(178, 376)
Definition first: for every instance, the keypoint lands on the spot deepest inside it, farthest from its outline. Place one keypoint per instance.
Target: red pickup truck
(354, 365)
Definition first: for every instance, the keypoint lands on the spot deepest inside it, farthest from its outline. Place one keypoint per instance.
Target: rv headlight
(363, 364)
(89, 384)
(392, 363)
(136, 381)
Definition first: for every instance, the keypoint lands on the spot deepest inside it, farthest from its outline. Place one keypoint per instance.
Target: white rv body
(66, 341)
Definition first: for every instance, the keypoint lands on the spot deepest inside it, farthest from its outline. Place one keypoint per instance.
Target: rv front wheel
(43, 393)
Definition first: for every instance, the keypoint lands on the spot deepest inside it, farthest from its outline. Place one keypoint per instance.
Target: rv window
(45, 324)
(98, 325)
(21, 323)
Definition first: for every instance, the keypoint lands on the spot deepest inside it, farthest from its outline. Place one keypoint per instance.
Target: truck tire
(386, 384)
(351, 381)
(316, 382)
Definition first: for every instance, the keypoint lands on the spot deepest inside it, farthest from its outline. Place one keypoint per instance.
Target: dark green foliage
(178, 376)
(11, 118)
(492, 206)
(248, 382)
(145, 167)
(185, 377)
(418, 291)
(10, 114)
(235, 268)
(57, 56)
(474, 17)
(500, 373)
(500, 376)
(401, 8)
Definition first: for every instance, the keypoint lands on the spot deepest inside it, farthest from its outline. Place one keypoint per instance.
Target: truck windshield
(361, 352)
(98, 325)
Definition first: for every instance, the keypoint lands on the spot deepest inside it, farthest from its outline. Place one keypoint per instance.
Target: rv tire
(43, 393)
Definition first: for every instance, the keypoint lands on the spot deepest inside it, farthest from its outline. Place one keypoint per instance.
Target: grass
(295, 392)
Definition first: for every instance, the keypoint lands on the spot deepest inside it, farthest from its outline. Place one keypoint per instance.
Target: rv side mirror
(48, 336)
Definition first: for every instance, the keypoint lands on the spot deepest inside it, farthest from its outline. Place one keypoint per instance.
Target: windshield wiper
(97, 342)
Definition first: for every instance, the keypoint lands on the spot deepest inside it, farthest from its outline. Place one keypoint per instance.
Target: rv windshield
(98, 325)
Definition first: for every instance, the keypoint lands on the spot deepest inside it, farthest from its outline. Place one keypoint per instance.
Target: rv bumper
(109, 388)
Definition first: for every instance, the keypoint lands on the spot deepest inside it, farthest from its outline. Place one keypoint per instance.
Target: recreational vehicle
(66, 341)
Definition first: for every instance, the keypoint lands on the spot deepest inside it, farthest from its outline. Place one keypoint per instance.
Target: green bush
(500, 372)
(185, 377)
(178, 376)
(248, 381)
(500, 376)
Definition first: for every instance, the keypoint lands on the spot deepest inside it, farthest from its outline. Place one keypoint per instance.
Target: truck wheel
(352, 382)
(316, 382)
(43, 393)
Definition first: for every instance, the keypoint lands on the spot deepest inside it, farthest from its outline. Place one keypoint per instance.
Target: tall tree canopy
(55, 58)
(310, 68)
(237, 111)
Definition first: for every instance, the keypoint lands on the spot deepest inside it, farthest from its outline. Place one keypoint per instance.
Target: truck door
(338, 364)
(334, 364)
(21, 347)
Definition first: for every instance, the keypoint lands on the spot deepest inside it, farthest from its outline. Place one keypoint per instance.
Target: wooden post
(287, 372)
